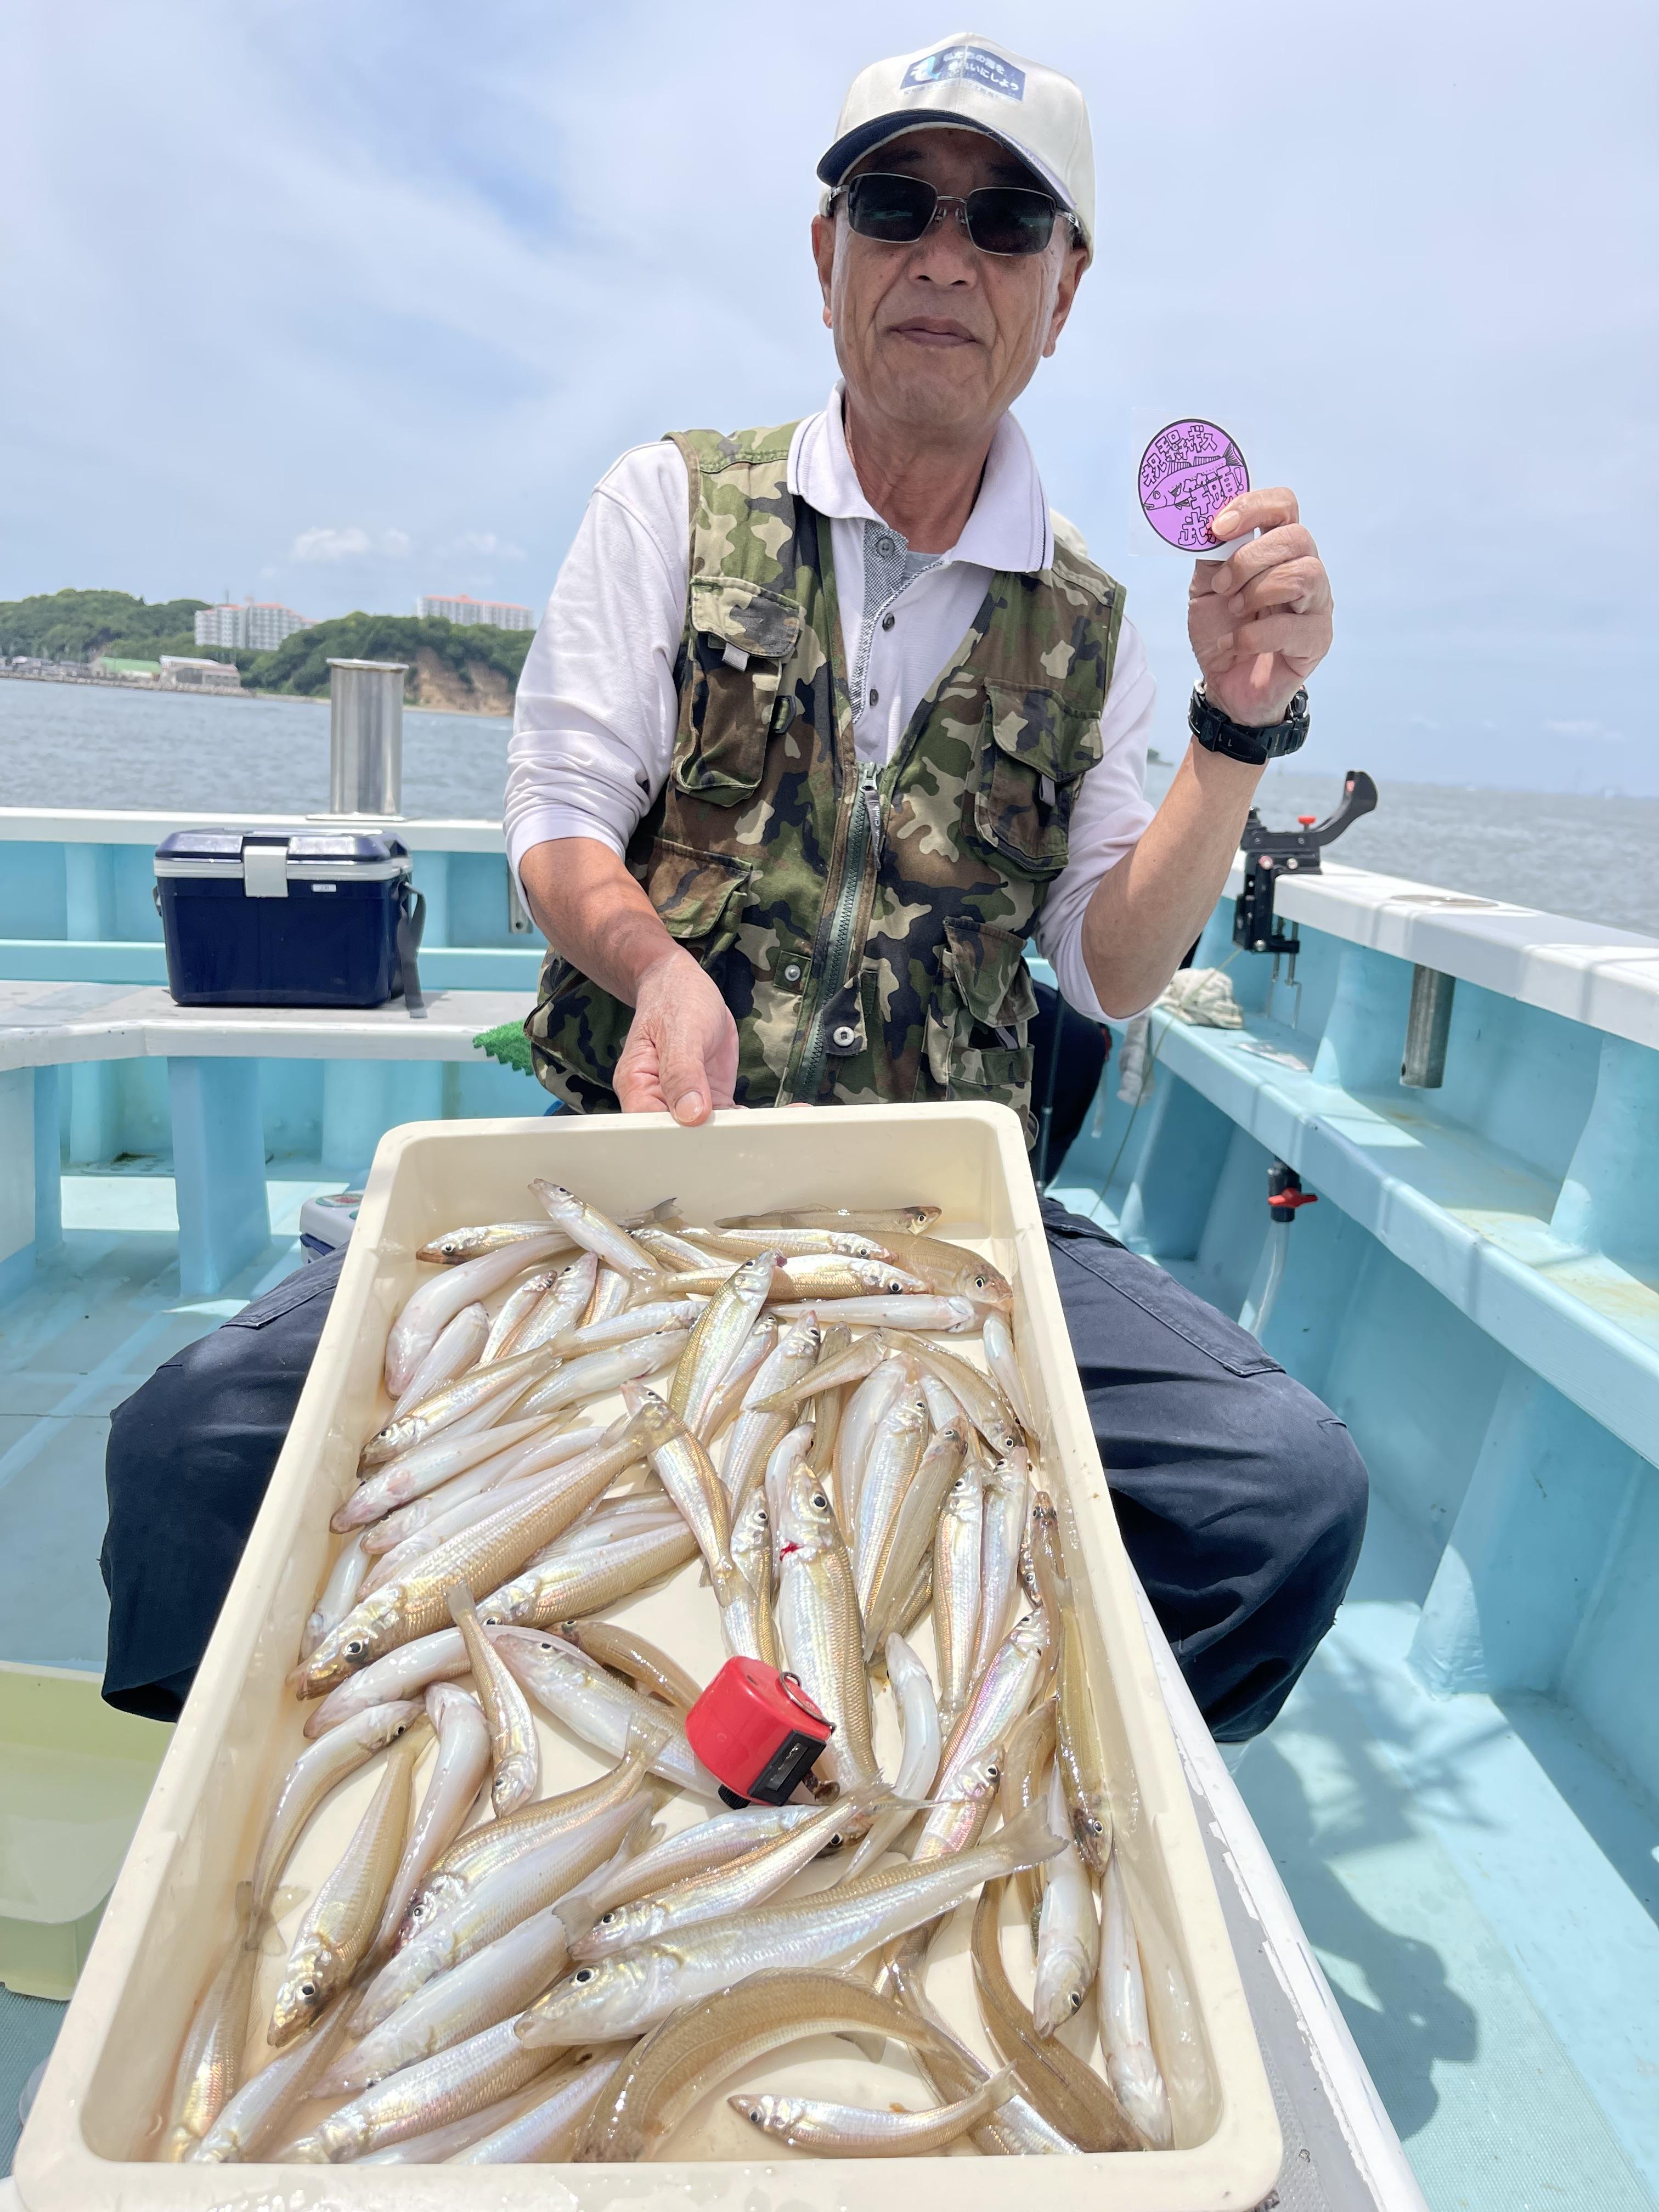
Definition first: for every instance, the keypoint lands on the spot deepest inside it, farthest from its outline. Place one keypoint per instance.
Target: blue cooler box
(327, 918)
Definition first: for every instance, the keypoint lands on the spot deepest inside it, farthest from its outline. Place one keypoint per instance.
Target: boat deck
(1425, 1844)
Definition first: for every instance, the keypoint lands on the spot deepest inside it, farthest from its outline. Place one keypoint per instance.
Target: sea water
(65, 745)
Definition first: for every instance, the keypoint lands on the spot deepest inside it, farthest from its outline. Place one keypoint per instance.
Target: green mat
(507, 1043)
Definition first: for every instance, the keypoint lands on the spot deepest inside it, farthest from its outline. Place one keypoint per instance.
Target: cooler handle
(411, 921)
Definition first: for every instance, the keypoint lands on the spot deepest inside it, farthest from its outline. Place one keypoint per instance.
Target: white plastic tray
(98, 2112)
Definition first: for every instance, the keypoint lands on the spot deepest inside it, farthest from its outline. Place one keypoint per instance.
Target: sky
(338, 301)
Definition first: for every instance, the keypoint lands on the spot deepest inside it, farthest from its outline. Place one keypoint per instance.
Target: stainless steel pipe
(1427, 1022)
(366, 736)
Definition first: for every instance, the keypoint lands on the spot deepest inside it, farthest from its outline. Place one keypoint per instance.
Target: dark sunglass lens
(1007, 219)
(897, 209)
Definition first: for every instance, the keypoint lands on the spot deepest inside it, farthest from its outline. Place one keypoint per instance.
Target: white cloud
(487, 545)
(326, 545)
(397, 544)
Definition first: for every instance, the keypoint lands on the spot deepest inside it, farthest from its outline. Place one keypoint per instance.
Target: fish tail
(461, 1603)
(1028, 1839)
(649, 1737)
(1000, 2087)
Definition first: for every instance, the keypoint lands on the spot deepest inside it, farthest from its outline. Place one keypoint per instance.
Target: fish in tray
(508, 1963)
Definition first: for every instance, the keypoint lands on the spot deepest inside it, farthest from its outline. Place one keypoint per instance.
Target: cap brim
(902, 121)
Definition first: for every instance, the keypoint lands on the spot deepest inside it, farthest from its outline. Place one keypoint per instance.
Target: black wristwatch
(1238, 741)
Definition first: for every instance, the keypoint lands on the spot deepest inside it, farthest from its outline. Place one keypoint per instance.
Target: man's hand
(681, 1057)
(1259, 622)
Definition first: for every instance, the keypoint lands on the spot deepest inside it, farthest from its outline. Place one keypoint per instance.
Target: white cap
(976, 84)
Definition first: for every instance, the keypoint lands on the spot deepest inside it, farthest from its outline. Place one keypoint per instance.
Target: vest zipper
(863, 842)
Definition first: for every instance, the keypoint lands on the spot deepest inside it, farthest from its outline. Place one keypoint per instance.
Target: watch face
(1189, 473)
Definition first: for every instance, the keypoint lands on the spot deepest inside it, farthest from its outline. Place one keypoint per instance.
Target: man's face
(937, 335)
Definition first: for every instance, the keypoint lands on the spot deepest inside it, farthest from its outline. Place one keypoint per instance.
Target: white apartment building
(501, 614)
(248, 627)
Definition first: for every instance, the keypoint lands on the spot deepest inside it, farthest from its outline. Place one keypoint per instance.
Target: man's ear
(1071, 277)
(823, 254)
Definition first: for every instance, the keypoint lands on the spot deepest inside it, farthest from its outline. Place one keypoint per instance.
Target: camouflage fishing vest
(865, 927)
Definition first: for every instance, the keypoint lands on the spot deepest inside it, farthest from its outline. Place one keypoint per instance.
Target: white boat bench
(213, 1095)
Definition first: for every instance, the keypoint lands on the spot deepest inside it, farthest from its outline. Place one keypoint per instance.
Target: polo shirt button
(887, 621)
(791, 973)
(875, 695)
(884, 547)
(844, 1036)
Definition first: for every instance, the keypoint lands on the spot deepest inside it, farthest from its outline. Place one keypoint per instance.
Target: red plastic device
(757, 1732)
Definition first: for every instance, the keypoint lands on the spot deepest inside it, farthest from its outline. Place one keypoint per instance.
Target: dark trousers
(1241, 1499)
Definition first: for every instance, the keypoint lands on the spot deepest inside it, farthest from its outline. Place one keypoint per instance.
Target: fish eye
(355, 1647)
(1077, 1999)
(308, 1989)
(819, 1499)
(982, 1282)
(582, 1974)
(605, 1919)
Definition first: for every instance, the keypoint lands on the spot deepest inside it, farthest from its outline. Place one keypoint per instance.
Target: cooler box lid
(302, 855)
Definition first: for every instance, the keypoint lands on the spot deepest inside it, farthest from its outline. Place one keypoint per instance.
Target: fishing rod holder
(1271, 854)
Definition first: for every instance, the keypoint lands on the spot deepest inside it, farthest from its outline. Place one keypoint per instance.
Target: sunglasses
(1003, 219)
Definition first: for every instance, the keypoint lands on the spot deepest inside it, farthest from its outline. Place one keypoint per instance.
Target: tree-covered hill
(75, 625)
(450, 665)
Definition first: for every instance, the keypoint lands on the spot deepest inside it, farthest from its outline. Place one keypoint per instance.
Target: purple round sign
(1187, 475)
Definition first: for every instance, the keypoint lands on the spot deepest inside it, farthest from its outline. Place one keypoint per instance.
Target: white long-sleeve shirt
(593, 725)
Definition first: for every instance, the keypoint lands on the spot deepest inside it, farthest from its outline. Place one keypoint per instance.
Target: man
(822, 724)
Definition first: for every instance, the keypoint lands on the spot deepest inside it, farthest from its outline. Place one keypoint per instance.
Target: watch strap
(1239, 741)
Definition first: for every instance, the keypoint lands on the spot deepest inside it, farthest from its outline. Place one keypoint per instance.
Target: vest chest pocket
(1032, 760)
(742, 637)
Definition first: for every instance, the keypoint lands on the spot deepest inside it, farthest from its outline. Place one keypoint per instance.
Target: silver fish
(631, 1322)
(829, 2130)
(402, 1673)
(958, 1550)
(416, 1474)
(985, 1405)
(895, 1453)
(558, 1314)
(593, 1373)
(592, 1705)
(514, 1746)
(314, 1773)
(914, 1528)
(249, 2122)
(1000, 1358)
(589, 1580)
(919, 1720)
(1068, 1933)
(1000, 1698)
(436, 1302)
(726, 1325)
(614, 1292)
(1125, 2035)
(819, 1626)
(333, 1937)
(546, 1448)
(688, 1474)
(865, 1410)
(528, 1884)
(757, 1427)
(339, 1593)
(950, 1316)
(1007, 1500)
(752, 1554)
(486, 2067)
(498, 1385)
(625, 1995)
(462, 1763)
(728, 1399)
(586, 1226)
(521, 1302)
(733, 1887)
(878, 1221)
(456, 1348)
(209, 2066)
(713, 1842)
(546, 2130)
(952, 1271)
(458, 1244)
